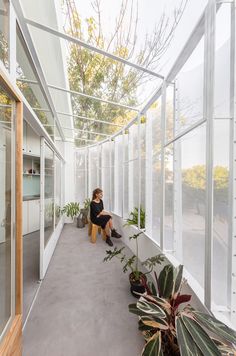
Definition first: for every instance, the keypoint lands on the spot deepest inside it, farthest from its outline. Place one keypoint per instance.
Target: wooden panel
(12, 343)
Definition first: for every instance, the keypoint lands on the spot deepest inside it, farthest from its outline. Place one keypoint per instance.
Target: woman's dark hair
(95, 192)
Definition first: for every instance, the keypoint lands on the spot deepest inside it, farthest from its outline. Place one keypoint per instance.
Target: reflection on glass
(221, 211)
(58, 204)
(5, 209)
(48, 195)
(4, 32)
(169, 191)
(189, 93)
(193, 148)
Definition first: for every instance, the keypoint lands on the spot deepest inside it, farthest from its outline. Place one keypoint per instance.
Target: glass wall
(81, 176)
(48, 194)
(4, 32)
(105, 185)
(58, 202)
(167, 163)
(6, 238)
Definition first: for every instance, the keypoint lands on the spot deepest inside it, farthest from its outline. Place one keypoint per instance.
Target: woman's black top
(95, 210)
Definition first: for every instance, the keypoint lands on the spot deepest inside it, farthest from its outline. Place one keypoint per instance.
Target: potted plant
(138, 279)
(133, 218)
(71, 210)
(171, 331)
(85, 210)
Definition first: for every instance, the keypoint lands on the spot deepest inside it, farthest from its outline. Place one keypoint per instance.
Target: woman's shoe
(115, 234)
(108, 241)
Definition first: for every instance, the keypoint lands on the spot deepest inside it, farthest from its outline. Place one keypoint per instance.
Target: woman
(101, 217)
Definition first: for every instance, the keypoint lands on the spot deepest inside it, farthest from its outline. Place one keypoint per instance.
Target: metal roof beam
(77, 41)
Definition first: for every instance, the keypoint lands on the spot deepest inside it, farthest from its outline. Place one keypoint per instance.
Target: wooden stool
(93, 230)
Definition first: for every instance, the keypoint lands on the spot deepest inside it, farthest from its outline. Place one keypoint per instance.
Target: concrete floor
(82, 305)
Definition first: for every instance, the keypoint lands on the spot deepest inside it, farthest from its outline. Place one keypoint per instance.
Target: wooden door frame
(12, 341)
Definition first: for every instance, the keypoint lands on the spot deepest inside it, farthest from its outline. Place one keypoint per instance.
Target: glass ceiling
(127, 29)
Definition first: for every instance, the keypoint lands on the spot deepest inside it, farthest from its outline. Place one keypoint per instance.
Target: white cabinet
(31, 141)
(31, 216)
(25, 218)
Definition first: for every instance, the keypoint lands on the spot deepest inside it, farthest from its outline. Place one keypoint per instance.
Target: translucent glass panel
(169, 112)
(169, 199)
(81, 175)
(189, 90)
(32, 91)
(119, 175)
(112, 148)
(222, 62)
(193, 163)
(4, 32)
(93, 170)
(58, 203)
(48, 194)
(221, 242)
(126, 176)
(6, 244)
(133, 167)
(143, 164)
(105, 186)
(155, 116)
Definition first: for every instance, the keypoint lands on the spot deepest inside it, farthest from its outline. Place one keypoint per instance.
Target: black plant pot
(137, 286)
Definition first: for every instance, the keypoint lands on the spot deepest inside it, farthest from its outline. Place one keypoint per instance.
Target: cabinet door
(25, 218)
(33, 215)
(33, 142)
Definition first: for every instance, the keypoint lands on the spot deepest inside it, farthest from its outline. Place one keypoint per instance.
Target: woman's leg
(110, 224)
(107, 228)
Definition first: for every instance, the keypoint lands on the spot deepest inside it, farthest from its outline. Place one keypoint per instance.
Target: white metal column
(208, 106)
(148, 175)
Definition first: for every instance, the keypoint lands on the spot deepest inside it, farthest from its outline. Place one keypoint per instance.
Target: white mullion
(177, 223)
(148, 176)
(163, 134)
(209, 52)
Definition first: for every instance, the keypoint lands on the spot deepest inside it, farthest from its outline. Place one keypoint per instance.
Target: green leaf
(185, 341)
(178, 279)
(216, 326)
(160, 301)
(200, 337)
(155, 323)
(153, 346)
(166, 281)
(133, 309)
(150, 308)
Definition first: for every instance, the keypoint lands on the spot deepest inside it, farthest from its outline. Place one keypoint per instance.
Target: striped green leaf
(214, 325)
(200, 337)
(155, 323)
(166, 281)
(185, 341)
(151, 308)
(133, 309)
(159, 301)
(178, 275)
(153, 346)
